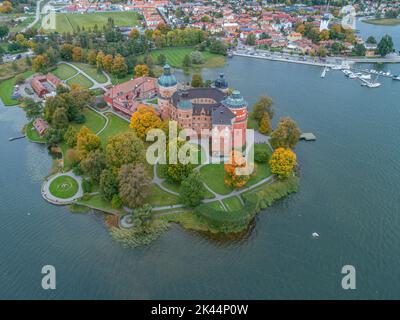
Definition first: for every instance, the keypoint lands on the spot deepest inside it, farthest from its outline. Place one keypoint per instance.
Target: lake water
(349, 194)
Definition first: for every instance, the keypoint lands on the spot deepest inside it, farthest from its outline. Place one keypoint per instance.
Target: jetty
(308, 136)
(16, 138)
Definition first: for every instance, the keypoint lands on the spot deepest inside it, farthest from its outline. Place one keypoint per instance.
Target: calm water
(349, 195)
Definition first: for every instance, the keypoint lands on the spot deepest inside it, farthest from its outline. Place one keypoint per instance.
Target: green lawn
(64, 187)
(99, 203)
(92, 72)
(115, 80)
(175, 57)
(64, 71)
(115, 126)
(17, 28)
(32, 134)
(80, 80)
(232, 203)
(213, 175)
(70, 22)
(216, 205)
(94, 121)
(383, 22)
(159, 197)
(7, 87)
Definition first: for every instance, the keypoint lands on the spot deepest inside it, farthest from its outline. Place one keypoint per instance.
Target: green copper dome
(167, 79)
(185, 104)
(235, 100)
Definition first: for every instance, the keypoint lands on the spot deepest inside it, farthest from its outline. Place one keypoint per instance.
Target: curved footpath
(48, 196)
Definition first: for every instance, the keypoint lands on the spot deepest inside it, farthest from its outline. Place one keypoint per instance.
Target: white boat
(315, 234)
(323, 74)
(365, 77)
(346, 72)
(396, 78)
(337, 67)
(352, 75)
(371, 84)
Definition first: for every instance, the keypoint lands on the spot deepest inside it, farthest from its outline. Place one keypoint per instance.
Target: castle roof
(167, 79)
(235, 100)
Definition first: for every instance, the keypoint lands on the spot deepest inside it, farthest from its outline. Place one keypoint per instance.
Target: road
(38, 4)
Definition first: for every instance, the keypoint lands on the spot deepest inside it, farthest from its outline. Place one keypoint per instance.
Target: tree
(322, 52)
(94, 164)
(251, 39)
(92, 57)
(141, 70)
(265, 124)
(263, 105)
(197, 81)
(119, 67)
(187, 62)
(107, 62)
(385, 46)
(40, 63)
(144, 119)
(282, 162)
(196, 57)
(286, 135)
(161, 59)
(232, 178)
(66, 51)
(125, 148)
(134, 185)
(53, 136)
(108, 185)
(59, 119)
(3, 31)
(371, 40)
(86, 141)
(77, 54)
(192, 190)
(32, 109)
(6, 7)
(134, 34)
(359, 49)
(99, 61)
(70, 136)
(176, 170)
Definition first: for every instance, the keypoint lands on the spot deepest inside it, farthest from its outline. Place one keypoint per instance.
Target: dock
(16, 138)
(308, 136)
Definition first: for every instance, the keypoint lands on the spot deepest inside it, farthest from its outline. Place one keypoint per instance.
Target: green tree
(385, 46)
(32, 109)
(134, 185)
(161, 59)
(94, 164)
(187, 62)
(70, 136)
(125, 148)
(263, 105)
(108, 185)
(192, 190)
(197, 81)
(286, 135)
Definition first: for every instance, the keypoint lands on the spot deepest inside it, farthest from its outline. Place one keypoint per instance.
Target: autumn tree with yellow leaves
(86, 141)
(283, 162)
(141, 70)
(144, 119)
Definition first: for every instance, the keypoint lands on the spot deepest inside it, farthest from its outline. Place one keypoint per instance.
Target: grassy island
(383, 22)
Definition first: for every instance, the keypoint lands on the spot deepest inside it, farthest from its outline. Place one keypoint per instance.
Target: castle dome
(235, 101)
(167, 79)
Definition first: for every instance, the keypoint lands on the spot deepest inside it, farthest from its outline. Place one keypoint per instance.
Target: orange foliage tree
(141, 70)
(232, 179)
(144, 119)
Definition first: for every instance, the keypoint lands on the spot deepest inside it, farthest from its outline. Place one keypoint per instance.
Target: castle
(205, 110)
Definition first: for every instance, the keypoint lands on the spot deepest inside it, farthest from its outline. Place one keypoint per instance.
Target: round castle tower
(167, 86)
(238, 106)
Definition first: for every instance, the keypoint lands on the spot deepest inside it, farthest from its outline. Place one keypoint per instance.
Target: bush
(80, 118)
(262, 153)
(77, 170)
(86, 186)
(116, 202)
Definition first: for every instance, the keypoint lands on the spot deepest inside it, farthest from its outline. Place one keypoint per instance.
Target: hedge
(238, 220)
